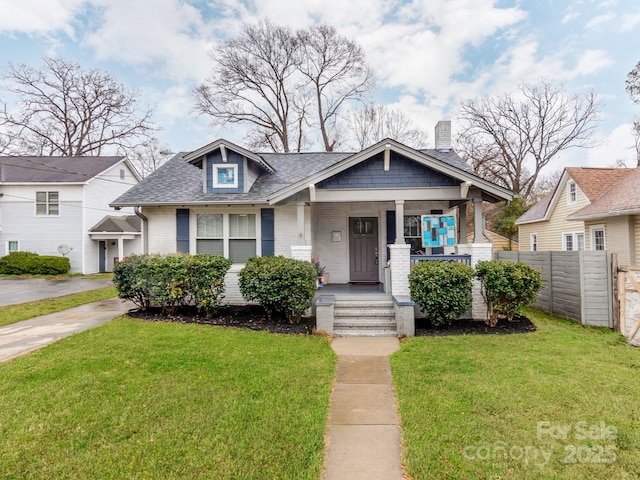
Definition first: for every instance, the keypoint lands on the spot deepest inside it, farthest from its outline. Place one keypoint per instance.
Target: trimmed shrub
(29, 263)
(507, 287)
(442, 290)
(172, 281)
(285, 287)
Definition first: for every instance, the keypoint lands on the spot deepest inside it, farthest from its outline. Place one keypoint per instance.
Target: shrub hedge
(171, 281)
(29, 263)
(507, 287)
(442, 290)
(285, 287)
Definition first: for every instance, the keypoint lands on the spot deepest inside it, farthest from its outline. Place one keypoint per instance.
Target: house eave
(198, 203)
(597, 216)
(196, 154)
(493, 190)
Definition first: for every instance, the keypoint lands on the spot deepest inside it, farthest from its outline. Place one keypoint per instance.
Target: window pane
(209, 225)
(13, 246)
(41, 209)
(412, 226)
(213, 247)
(580, 241)
(569, 242)
(53, 197)
(598, 239)
(241, 250)
(242, 226)
(41, 197)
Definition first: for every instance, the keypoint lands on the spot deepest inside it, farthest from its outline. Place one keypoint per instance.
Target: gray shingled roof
(53, 169)
(179, 182)
(118, 224)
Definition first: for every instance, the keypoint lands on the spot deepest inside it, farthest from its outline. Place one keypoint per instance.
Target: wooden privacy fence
(577, 285)
(629, 304)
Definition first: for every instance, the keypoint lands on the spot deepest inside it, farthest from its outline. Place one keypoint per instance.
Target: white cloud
(168, 37)
(39, 17)
(613, 146)
(630, 22)
(592, 61)
(599, 21)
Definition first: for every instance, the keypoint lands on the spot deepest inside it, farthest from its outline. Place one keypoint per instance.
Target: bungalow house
(56, 205)
(590, 209)
(364, 215)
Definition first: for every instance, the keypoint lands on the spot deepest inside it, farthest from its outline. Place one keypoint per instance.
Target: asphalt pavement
(21, 290)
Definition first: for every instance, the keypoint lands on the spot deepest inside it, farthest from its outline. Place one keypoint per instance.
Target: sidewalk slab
(363, 405)
(371, 346)
(363, 369)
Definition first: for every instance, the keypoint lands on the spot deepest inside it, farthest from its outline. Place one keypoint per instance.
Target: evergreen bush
(29, 263)
(441, 289)
(285, 287)
(507, 287)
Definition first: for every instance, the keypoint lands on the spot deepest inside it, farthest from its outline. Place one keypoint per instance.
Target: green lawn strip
(133, 399)
(23, 311)
(492, 406)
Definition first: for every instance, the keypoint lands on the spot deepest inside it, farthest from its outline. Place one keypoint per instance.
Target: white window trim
(572, 201)
(226, 230)
(574, 235)
(534, 242)
(35, 204)
(7, 242)
(226, 166)
(592, 235)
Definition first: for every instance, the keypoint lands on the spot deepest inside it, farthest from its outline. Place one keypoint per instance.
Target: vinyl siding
(618, 236)
(550, 231)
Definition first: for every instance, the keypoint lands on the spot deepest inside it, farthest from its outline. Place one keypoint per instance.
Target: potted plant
(319, 271)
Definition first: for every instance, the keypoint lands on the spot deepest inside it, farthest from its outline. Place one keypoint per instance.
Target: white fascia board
(190, 157)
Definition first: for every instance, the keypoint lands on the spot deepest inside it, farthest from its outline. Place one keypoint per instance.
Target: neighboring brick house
(590, 209)
(48, 205)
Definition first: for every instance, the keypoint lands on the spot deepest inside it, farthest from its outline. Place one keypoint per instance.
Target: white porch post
(479, 252)
(400, 222)
(301, 251)
(120, 249)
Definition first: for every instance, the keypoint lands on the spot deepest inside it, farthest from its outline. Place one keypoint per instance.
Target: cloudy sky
(427, 54)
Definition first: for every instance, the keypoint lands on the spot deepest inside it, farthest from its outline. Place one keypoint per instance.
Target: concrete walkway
(363, 433)
(24, 337)
(20, 290)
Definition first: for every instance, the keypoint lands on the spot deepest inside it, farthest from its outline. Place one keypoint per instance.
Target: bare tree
(374, 123)
(64, 110)
(633, 89)
(510, 140)
(255, 81)
(337, 72)
(149, 156)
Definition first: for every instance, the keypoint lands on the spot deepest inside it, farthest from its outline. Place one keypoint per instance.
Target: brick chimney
(443, 135)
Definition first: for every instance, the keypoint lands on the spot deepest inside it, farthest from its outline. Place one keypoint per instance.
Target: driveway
(21, 290)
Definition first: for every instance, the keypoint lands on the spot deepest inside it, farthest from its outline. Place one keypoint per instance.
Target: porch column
(400, 222)
(477, 220)
(300, 223)
(120, 249)
(462, 219)
(479, 252)
(400, 267)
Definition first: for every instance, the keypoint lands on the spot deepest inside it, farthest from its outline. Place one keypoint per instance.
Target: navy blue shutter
(267, 231)
(391, 230)
(437, 250)
(182, 230)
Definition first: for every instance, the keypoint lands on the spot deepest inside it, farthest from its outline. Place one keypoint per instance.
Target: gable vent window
(225, 176)
(47, 203)
(572, 193)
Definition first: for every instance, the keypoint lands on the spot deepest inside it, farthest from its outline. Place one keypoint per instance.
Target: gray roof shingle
(118, 224)
(179, 182)
(29, 169)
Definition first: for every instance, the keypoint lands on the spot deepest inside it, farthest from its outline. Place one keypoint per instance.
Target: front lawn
(560, 403)
(134, 399)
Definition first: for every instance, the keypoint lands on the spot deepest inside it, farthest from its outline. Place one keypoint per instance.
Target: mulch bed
(254, 318)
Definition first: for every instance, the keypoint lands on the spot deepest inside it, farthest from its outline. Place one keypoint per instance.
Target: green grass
(133, 399)
(471, 405)
(23, 311)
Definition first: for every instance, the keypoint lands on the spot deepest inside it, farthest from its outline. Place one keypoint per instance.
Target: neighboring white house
(48, 205)
(361, 214)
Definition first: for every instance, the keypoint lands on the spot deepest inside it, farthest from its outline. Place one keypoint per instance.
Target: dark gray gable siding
(233, 158)
(402, 173)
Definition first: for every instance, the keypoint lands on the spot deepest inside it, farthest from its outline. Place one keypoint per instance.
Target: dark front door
(102, 255)
(363, 249)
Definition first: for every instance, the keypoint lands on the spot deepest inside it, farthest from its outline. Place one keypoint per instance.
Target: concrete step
(363, 312)
(366, 323)
(347, 332)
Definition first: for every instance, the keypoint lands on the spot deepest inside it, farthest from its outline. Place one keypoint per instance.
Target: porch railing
(415, 259)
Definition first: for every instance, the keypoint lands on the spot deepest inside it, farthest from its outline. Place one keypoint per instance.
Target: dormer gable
(228, 168)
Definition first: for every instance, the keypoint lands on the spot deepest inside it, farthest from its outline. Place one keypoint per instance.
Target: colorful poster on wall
(438, 231)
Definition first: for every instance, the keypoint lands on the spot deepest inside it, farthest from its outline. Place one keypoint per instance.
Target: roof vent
(443, 135)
